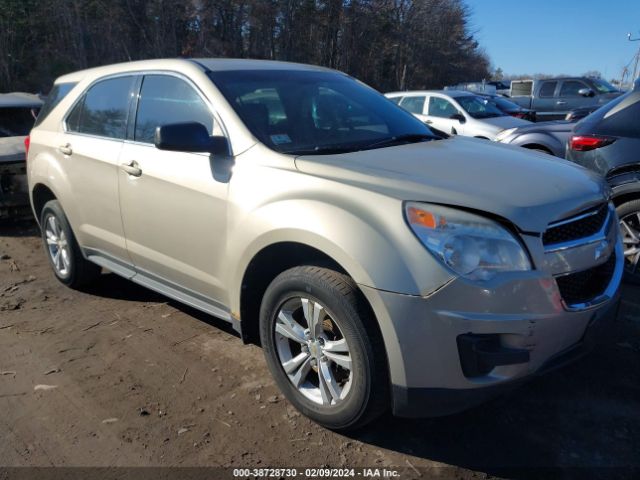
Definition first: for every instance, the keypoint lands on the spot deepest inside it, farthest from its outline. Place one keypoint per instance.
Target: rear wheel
(326, 362)
(64, 254)
(629, 215)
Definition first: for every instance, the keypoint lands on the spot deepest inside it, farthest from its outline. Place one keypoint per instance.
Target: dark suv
(608, 142)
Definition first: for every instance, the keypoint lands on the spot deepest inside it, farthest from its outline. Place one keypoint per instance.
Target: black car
(508, 107)
(608, 141)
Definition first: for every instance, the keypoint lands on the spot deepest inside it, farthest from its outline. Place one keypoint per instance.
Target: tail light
(518, 114)
(584, 143)
(27, 143)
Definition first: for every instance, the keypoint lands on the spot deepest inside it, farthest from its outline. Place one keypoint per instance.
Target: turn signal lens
(422, 218)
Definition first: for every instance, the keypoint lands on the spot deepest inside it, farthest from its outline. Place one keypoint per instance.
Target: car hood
(506, 121)
(12, 149)
(527, 188)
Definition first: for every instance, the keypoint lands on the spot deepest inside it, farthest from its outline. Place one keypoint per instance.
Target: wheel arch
(40, 195)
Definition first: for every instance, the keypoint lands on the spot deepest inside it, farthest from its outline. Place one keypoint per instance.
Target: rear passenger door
(173, 210)
(88, 151)
(547, 104)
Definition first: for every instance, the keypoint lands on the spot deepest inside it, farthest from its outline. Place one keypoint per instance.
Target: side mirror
(459, 117)
(189, 137)
(586, 92)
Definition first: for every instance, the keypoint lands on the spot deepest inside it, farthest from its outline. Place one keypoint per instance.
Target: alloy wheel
(57, 246)
(630, 228)
(313, 351)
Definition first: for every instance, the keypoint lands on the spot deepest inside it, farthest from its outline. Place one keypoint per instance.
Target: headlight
(504, 134)
(472, 246)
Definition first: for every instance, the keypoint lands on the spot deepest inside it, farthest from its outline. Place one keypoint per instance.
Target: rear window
(16, 121)
(619, 118)
(521, 88)
(413, 104)
(57, 93)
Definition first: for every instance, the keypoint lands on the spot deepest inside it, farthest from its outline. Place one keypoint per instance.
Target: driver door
(173, 210)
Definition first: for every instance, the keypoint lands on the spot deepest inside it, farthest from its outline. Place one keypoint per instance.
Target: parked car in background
(456, 112)
(377, 265)
(502, 87)
(608, 142)
(17, 114)
(580, 113)
(554, 98)
(509, 107)
(546, 137)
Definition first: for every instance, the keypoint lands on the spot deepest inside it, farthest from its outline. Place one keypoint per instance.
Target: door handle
(428, 122)
(561, 102)
(65, 149)
(131, 168)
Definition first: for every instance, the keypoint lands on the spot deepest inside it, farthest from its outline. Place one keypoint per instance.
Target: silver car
(378, 265)
(456, 112)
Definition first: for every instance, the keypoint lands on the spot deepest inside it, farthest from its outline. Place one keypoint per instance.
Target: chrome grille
(580, 226)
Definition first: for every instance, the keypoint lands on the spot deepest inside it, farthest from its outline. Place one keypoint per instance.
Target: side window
(440, 107)
(103, 109)
(570, 88)
(166, 99)
(547, 89)
(56, 95)
(413, 104)
(395, 100)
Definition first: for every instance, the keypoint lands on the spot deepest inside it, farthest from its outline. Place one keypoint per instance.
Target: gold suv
(378, 264)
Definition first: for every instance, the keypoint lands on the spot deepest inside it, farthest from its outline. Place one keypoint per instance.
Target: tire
(346, 322)
(629, 215)
(69, 266)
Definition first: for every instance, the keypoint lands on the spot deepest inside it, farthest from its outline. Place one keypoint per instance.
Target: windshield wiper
(323, 150)
(330, 149)
(409, 138)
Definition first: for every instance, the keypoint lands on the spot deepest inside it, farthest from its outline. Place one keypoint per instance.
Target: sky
(557, 36)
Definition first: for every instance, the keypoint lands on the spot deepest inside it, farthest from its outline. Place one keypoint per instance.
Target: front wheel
(323, 347)
(629, 215)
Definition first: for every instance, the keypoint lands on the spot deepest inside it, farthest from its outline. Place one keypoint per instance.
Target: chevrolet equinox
(377, 264)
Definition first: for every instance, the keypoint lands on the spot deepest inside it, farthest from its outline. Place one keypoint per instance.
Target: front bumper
(14, 193)
(524, 310)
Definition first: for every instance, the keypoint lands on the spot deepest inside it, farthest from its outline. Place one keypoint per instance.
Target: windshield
(16, 121)
(603, 86)
(503, 104)
(297, 112)
(478, 107)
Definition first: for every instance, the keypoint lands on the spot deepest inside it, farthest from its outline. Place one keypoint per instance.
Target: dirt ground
(120, 376)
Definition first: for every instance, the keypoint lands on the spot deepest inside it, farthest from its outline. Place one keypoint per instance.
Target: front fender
(553, 144)
(375, 249)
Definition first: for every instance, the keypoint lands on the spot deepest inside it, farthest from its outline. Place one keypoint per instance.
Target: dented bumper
(467, 342)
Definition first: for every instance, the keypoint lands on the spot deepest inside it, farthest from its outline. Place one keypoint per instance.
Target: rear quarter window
(56, 95)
